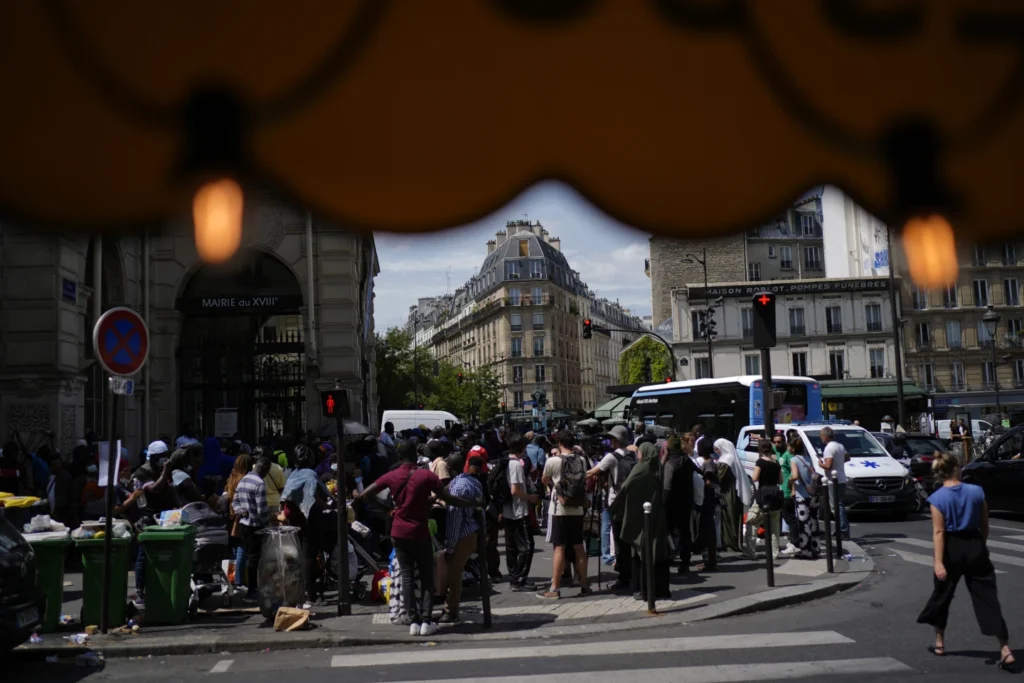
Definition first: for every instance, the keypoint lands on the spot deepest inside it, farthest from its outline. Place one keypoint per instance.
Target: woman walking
(736, 492)
(805, 495)
(960, 531)
(768, 477)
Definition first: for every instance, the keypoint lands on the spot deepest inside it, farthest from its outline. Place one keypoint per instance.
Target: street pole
(769, 433)
(344, 585)
(995, 381)
(108, 526)
(897, 345)
(707, 307)
(838, 519)
(649, 559)
(826, 520)
(485, 576)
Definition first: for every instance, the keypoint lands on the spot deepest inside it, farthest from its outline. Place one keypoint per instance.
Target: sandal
(1008, 666)
(937, 650)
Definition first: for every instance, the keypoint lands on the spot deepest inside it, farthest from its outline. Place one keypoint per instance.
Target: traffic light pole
(671, 353)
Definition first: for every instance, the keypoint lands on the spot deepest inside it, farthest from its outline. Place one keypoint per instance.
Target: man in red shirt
(411, 488)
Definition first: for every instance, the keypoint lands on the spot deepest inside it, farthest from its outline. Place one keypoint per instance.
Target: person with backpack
(512, 490)
(566, 473)
(806, 484)
(614, 468)
(767, 476)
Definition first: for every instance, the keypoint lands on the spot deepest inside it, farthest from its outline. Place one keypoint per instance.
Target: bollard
(769, 560)
(828, 526)
(649, 558)
(836, 502)
(485, 576)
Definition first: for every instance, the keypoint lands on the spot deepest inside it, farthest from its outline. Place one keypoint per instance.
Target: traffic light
(702, 325)
(458, 377)
(334, 403)
(588, 328)
(764, 320)
(709, 315)
(668, 380)
(420, 406)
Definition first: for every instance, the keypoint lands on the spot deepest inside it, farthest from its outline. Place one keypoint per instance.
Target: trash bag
(282, 570)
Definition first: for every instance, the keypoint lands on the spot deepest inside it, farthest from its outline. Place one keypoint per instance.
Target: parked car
(1000, 472)
(915, 451)
(876, 481)
(21, 602)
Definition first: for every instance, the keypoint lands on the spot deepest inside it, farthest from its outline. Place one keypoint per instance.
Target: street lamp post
(991, 320)
(896, 330)
(703, 261)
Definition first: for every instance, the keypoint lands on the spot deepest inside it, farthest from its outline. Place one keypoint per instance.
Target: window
(511, 270)
(517, 347)
(1009, 254)
(988, 374)
(873, 316)
(786, 258)
(752, 364)
(517, 399)
(812, 258)
(517, 374)
(1018, 372)
(981, 293)
(834, 320)
(538, 373)
(695, 324)
(949, 298)
(807, 224)
(927, 376)
(1014, 326)
(954, 336)
(979, 255)
(771, 251)
(837, 363)
(524, 248)
(514, 296)
(538, 346)
(538, 321)
(701, 368)
(1011, 292)
(923, 335)
(796, 322)
(956, 376)
(754, 271)
(536, 270)
(747, 322)
(538, 296)
(918, 298)
(800, 363)
(515, 322)
(984, 338)
(876, 362)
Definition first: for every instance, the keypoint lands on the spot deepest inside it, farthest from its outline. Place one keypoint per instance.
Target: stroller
(212, 547)
(365, 557)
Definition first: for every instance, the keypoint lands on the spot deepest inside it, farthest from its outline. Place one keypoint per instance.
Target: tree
(633, 362)
(397, 372)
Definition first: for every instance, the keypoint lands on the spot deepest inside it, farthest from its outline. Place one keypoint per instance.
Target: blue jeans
(240, 562)
(606, 537)
(844, 523)
(140, 572)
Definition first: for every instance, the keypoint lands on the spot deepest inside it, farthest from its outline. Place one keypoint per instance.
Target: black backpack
(572, 485)
(626, 462)
(498, 486)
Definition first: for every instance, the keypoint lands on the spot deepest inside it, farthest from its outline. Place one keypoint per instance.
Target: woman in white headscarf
(736, 493)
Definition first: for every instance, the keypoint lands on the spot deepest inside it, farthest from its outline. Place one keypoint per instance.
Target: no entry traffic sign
(121, 340)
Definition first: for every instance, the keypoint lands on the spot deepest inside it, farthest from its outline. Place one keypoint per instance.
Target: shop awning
(613, 408)
(873, 390)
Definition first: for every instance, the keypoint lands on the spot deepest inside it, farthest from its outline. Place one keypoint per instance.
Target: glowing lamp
(217, 213)
(930, 249)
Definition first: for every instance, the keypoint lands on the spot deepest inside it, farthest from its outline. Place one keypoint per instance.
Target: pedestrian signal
(335, 403)
(764, 320)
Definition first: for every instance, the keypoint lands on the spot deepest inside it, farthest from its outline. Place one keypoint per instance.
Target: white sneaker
(414, 629)
(428, 629)
(788, 551)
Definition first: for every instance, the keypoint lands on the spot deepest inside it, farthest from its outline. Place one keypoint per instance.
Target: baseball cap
(157, 448)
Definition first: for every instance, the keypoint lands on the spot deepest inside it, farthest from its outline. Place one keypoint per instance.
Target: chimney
(491, 244)
(556, 242)
(537, 229)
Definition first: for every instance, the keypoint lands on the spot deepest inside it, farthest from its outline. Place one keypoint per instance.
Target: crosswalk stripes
(995, 557)
(924, 560)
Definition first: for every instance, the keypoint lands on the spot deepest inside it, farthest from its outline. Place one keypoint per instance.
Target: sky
(608, 255)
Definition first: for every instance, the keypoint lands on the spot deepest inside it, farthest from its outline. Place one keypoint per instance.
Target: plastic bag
(282, 571)
(170, 518)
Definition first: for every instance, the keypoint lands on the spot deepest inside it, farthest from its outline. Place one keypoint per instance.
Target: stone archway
(241, 354)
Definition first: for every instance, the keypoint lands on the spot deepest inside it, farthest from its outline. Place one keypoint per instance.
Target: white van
(411, 419)
(978, 428)
(876, 482)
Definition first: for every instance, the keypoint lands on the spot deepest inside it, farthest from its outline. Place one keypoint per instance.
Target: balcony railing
(874, 326)
(834, 328)
(797, 331)
(924, 346)
(812, 265)
(748, 332)
(955, 345)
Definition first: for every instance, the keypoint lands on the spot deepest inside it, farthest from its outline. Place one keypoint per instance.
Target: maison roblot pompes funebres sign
(880, 284)
(240, 304)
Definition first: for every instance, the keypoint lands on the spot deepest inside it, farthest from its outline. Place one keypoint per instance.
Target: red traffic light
(667, 380)
(765, 298)
(587, 322)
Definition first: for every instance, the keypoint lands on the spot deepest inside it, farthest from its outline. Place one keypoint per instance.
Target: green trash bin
(92, 580)
(50, 553)
(168, 553)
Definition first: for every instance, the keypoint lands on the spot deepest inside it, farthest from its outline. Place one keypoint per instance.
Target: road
(866, 634)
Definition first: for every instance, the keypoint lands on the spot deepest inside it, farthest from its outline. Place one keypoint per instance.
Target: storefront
(868, 401)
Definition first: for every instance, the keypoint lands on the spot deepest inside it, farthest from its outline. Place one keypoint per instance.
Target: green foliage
(632, 362)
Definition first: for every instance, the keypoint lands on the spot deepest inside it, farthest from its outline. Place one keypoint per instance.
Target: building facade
(521, 315)
(949, 349)
(243, 347)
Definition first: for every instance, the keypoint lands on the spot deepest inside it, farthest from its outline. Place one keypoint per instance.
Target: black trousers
(789, 515)
(493, 556)
(623, 553)
(638, 581)
(679, 527)
(415, 555)
(966, 556)
(519, 545)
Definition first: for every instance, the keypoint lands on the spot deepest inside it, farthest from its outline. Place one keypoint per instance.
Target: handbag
(769, 497)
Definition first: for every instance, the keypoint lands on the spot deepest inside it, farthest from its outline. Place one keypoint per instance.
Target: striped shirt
(251, 497)
(461, 522)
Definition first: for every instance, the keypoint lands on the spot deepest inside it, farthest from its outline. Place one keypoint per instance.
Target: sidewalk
(739, 586)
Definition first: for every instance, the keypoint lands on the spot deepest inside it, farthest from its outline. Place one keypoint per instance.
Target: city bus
(726, 405)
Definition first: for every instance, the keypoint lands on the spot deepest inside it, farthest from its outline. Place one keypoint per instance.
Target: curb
(769, 599)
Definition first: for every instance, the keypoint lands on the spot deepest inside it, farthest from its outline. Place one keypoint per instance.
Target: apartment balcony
(924, 346)
(835, 328)
(798, 331)
(874, 326)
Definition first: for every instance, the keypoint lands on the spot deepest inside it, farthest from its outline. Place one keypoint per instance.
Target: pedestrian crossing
(901, 546)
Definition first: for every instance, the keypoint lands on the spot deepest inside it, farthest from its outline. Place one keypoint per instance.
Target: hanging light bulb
(930, 249)
(217, 213)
